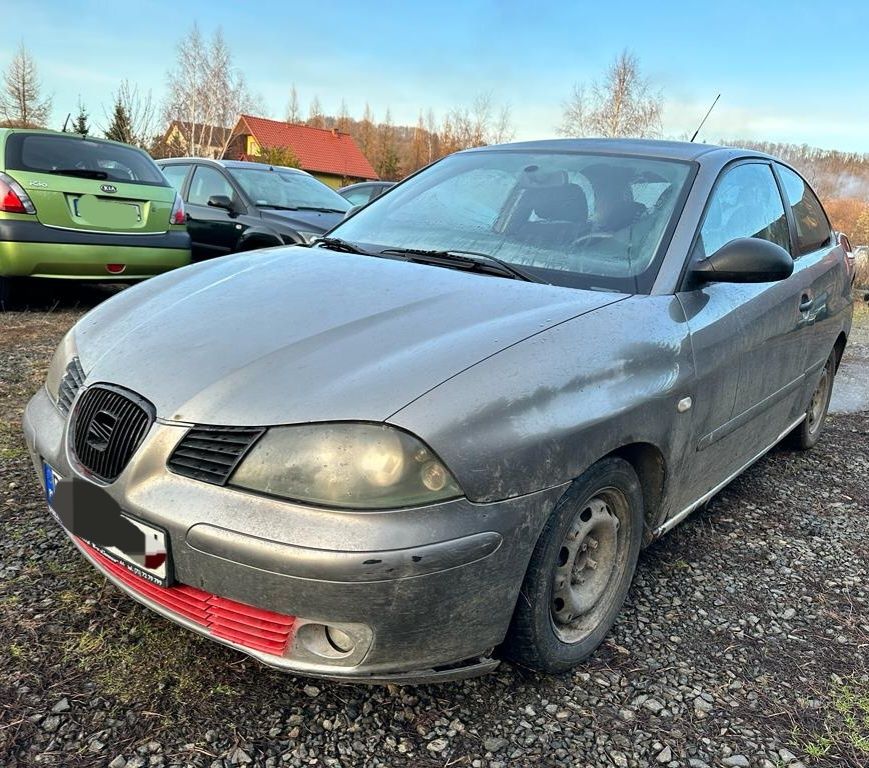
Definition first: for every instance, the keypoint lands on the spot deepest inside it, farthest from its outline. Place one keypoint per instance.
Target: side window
(359, 196)
(175, 175)
(813, 227)
(207, 182)
(744, 203)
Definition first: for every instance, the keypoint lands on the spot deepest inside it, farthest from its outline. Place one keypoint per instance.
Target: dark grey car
(441, 437)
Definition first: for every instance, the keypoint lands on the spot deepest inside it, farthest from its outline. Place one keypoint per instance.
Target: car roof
(228, 163)
(669, 150)
(6, 131)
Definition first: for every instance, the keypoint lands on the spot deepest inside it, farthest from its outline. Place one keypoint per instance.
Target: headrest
(564, 202)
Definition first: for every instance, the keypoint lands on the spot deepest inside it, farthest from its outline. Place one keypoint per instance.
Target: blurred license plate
(152, 563)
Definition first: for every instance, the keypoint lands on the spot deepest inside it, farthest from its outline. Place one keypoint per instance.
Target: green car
(79, 208)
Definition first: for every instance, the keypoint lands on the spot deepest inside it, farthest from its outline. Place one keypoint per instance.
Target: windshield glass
(583, 220)
(285, 189)
(75, 156)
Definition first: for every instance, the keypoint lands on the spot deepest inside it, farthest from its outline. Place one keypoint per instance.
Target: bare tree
(140, 115)
(294, 113)
(315, 114)
(343, 121)
(475, 126)
(21, 104)
(622, 103)
(206, 92)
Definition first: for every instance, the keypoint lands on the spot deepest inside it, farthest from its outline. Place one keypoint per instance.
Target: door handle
(806, 302)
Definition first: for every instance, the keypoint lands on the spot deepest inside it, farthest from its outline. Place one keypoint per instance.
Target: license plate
(151, 563)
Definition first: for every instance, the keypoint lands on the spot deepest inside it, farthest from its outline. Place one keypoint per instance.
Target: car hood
(307, 221)
(291, 334)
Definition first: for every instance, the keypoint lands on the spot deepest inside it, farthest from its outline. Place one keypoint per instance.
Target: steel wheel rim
(818, 404)
(588, 565)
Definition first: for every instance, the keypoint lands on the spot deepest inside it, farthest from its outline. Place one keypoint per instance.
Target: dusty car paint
(517, 387)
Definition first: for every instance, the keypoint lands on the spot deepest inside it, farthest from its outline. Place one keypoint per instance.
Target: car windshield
(284, 189)
(76, 156)
(575, 219)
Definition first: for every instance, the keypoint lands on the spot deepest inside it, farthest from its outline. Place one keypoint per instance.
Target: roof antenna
(704, 118)
(66, 122)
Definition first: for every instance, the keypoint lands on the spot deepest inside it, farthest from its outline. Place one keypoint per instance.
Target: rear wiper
(463, 259)
(337, 244)
(82, 172)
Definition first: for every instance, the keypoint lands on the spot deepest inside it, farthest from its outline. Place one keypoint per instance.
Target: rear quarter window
(74, 156)
(813, 227)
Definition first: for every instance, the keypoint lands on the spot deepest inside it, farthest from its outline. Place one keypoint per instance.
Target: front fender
(539, 413)
(259, 237)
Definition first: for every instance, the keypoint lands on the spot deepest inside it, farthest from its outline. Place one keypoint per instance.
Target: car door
(747, 338)
(823, 282)
(213, 231)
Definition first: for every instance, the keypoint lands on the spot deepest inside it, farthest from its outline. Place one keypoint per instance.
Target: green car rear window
(84, 158)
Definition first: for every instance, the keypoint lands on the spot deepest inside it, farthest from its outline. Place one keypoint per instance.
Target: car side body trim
(678, 518)
(751, 413)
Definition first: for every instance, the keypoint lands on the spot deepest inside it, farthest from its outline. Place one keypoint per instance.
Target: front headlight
(63, 355)
(357, 466)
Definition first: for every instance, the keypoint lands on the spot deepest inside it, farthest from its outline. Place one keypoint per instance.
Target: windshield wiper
(337, 244)
(317, 208)
(83, 172)
(464, 260)
(299, 208)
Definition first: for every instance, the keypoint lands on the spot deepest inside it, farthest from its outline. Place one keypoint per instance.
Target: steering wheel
(585, 240)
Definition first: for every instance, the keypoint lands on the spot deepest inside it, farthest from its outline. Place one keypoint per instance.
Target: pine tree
(80, 124)
(120, 129)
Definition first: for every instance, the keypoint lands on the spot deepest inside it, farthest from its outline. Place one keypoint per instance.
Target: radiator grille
(108, 426)
(242, 624)
(212, 453)
(70, 384)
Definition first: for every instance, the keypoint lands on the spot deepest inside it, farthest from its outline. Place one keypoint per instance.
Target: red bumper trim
(242, 624)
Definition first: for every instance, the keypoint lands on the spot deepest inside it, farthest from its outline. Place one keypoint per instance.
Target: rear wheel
(580, 571)
(5, 293)
(807, 434)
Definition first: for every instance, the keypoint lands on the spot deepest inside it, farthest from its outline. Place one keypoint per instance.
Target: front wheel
(807, 434)
(580, 570)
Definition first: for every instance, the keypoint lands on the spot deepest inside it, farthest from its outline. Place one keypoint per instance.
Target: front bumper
(431, 589)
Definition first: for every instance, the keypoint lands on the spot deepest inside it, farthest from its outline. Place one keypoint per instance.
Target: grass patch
(141, 659)
(12, 445)
(844, 730)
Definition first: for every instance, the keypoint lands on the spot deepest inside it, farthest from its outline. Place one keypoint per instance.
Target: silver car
(440, 437)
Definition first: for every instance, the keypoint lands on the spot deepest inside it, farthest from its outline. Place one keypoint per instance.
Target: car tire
(580, 571)
(5, 293)
(807, 434)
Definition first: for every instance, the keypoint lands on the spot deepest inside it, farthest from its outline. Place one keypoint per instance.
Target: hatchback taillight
(13, 199)
(178, 216)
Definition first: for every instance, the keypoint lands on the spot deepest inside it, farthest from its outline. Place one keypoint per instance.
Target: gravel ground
(744, 641)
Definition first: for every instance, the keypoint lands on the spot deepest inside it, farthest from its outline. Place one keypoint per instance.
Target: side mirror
(745, 260)
(221, 201)
(350, 211)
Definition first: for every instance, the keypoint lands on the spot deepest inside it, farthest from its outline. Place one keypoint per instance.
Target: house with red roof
(327, 153)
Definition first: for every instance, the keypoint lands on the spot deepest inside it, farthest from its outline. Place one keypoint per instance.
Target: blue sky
(787, 71)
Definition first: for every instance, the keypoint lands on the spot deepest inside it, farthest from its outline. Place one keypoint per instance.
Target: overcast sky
(787, 71)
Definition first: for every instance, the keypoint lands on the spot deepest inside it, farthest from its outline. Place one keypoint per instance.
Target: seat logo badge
(100, 430)
(108, 188)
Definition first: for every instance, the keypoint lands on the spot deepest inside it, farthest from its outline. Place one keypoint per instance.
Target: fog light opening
(339, 639)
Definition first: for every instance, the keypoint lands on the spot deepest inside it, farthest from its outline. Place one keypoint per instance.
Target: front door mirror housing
(221, 201)
(744, 260)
